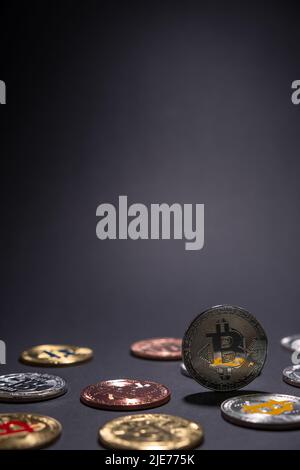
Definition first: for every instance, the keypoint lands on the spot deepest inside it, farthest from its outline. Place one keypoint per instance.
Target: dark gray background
(185, 102)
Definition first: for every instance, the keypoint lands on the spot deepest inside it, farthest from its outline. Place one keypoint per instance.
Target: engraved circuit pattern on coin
(263, 411)
(26, 387)
(162, 349)
(125, 394)
(27, 431)
(56, 355)
(291, 375)
(224, 348)
(292, 343)
(151, 432)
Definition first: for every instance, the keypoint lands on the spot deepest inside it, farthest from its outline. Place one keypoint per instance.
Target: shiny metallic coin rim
(119, 407)
(287, 341)
(135, 351)
(287, 376)
(231, 417)
(42, 439)
(108, 440)
(28, 397)
(186, 355)
(28, 359)
(184, 371)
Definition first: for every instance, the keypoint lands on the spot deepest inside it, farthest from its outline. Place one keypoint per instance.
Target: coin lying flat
(291, 375)
(56, 355)
(292, 343)
(224, 348)
(162, 349)
(125, 394)
(27, 431)
(263, 411)
(26, 387)
(184, 370)
(151, 432)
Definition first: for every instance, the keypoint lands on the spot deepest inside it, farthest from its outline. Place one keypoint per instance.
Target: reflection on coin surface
(125, 394)
(151, 432)
(56, 355)
(292, 343)
(224, 348)
(158, 348)
(265, 411)
(26, 387)
(27, 431)
(184, 371)
(291, 375)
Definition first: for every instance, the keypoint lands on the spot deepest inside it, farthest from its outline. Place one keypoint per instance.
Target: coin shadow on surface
(215, 398)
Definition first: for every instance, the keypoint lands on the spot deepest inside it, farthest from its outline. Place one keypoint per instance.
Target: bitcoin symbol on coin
(12, 427)
(229, 350)
(271, 407)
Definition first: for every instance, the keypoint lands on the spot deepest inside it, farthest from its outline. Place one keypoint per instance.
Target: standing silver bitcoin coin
(27, 387)
(224, 348)
(291, 375)
(292, 343)
(263, 411)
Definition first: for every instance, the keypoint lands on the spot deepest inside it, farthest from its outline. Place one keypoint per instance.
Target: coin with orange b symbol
(263, 411)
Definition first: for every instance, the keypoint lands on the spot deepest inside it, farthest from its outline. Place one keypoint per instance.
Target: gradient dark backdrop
(185, 102)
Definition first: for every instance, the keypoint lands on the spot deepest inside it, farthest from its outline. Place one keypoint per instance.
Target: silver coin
(27, 387)
(291, 375)
(224, 348)
(263, 411)
(184, 371)
(292, 343)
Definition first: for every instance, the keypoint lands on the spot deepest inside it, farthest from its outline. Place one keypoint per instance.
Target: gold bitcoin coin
(151, 432)
(27, 431)
(56, 355)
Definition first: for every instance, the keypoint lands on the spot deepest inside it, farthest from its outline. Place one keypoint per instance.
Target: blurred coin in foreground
(27, 387)
(224, 348)
(263, 411)
(163, 349)
(292, 343)
(27, 431)
(291, 375)
(125, 394)
(151, 432)
(56, 355)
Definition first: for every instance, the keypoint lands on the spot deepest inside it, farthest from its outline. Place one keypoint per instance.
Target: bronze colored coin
(163, 349)
(27, 431)
(56, 355)
(125, 394)
(151, 432)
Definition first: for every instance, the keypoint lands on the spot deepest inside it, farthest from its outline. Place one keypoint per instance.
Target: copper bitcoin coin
(163, 349)
(125, 394)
